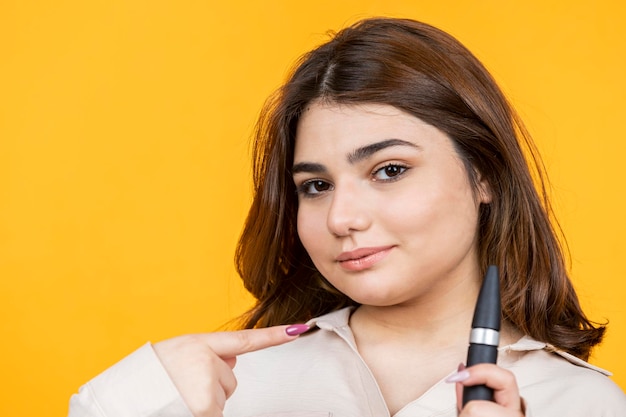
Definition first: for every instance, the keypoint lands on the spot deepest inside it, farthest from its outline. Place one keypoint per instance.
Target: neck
(440, 317)
(400, 324)
(440, 321)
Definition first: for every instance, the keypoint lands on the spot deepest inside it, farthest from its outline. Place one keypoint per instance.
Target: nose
(348, 211)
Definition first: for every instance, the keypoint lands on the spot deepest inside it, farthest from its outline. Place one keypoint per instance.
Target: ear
(484, 189)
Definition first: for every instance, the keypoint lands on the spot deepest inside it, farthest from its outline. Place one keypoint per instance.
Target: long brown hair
(429, 74)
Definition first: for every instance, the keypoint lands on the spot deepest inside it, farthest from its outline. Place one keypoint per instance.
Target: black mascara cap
(488, 309)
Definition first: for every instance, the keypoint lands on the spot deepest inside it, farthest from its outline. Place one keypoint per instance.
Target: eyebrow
(366, 151)
(353, 157)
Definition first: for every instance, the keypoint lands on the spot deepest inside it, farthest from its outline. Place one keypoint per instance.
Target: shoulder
(556, 383)
(317, 371)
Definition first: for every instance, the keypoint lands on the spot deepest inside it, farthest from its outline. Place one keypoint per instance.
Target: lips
(363, 258)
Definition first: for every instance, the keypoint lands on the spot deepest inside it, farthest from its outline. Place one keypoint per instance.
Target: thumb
(231, 344)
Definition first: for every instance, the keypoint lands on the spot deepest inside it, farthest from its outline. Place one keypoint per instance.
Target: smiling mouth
(362, 259)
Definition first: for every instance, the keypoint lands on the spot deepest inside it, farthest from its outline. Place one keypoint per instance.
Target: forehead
(319, 114)
(332, 127)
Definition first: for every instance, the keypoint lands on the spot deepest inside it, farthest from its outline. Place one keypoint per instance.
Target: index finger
(231, 344)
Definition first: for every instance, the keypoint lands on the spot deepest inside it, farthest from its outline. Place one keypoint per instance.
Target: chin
(375, 300)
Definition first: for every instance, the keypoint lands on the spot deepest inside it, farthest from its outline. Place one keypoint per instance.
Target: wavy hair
(427, 73)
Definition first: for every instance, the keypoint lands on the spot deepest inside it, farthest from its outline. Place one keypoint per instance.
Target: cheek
(459, 218)
(309, 230)
(441, 214)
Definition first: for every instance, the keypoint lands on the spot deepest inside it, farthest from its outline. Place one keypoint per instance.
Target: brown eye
(389, 172)
(320, 186)
(313, 187)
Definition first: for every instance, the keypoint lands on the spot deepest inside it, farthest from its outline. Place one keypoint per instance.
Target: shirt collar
(338, 322)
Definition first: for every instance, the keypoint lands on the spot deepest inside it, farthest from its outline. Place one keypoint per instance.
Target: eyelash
(401, 168)
(304, 188)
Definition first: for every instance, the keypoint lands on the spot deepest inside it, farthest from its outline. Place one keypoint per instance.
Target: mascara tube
(485, 334)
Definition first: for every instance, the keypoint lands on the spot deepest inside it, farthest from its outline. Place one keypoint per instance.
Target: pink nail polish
(296, 329)
(459, 376)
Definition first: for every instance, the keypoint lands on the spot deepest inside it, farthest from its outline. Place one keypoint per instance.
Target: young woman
(389, 172)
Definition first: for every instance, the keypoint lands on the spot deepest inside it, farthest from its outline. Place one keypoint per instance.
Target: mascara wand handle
(478, 353)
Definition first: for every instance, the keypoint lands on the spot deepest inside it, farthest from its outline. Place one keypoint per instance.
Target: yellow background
(124, 173)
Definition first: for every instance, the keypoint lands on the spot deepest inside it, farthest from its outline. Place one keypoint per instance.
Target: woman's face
(386, 210)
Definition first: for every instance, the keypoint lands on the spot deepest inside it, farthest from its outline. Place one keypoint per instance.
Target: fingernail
(459, 376)
(296, 329)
